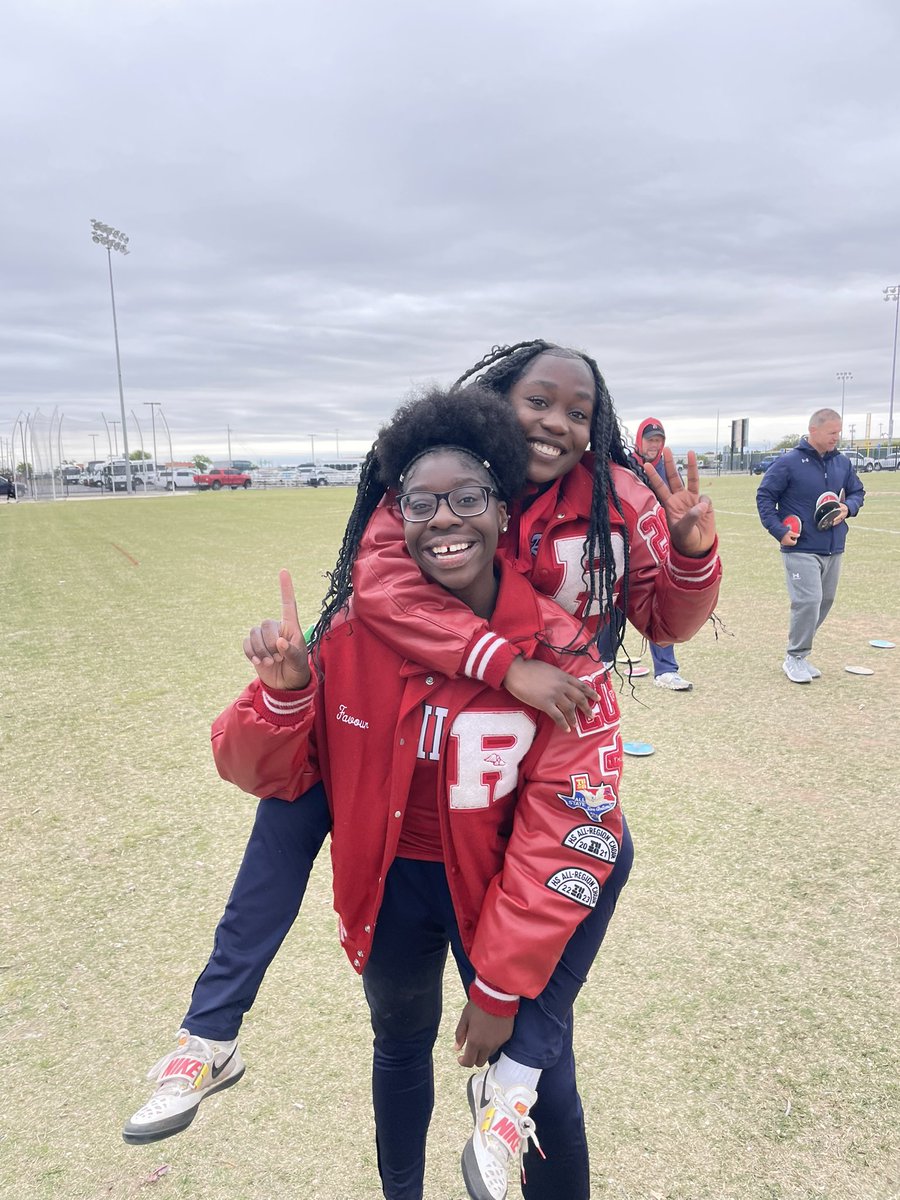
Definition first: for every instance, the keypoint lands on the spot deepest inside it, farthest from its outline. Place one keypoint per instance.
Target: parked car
(764, 463)
(184, 478)
(889, 463)
(861, 460)
(218, 477)
(323, 474)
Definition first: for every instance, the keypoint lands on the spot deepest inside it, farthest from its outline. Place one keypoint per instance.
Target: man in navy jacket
(792, 500)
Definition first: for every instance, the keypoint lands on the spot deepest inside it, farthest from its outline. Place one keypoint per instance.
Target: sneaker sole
(141, 1135)
(471, 1172)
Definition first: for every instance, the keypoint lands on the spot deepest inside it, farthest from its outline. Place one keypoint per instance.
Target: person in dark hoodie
(804, 501)
(649, 446)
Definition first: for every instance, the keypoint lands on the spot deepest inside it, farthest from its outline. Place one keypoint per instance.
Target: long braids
(499, 370)
(340, 584)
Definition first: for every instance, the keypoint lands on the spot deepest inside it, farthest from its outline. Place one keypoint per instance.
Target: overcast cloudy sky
(331, 201)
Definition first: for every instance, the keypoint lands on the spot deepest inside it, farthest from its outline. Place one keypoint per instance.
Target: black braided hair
(472, 419)
(502, 368)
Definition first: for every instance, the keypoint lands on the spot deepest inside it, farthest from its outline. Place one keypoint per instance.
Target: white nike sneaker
(502, 1131)
(192, 1071)
(673, 681)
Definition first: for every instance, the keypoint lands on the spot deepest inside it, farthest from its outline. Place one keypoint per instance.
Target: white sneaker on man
(673, 681)
(502, 1131)
(814, 672)
(195, 1069)
(796, 669)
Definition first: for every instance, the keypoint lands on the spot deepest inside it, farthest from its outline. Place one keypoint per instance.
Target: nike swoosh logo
(217, 1070)
(485, 1098)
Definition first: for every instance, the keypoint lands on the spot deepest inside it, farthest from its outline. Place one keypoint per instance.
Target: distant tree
(789, 442)
(24, 468)
(138, 455)
(201, 462)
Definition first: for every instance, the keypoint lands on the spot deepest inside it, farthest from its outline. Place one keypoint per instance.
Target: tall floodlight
(843, 376)
(169, 436)
(893, 293)
(153, 405)
(114, 239)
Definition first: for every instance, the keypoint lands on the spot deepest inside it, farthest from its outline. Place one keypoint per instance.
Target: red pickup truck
(220, 477)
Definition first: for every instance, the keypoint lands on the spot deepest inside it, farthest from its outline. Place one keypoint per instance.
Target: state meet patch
(580, 886)
(592, 840)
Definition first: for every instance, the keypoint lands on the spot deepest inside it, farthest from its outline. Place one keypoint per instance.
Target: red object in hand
(793, 523)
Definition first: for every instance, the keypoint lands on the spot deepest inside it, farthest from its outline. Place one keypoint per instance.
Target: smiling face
(651, 447)
(456, 552)
(554, 402)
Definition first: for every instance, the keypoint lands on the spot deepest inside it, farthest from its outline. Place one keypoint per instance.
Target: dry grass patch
(738, 1039)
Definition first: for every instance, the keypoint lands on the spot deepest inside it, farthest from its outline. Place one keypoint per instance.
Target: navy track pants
(403, 985)
(263, 905)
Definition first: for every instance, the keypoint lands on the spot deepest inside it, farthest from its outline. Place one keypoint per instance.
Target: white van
(144, 474)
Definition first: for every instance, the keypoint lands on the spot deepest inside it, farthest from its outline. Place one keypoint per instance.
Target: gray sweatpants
(812, 581)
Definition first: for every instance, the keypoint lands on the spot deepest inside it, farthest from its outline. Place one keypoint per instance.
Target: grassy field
(738, 1039)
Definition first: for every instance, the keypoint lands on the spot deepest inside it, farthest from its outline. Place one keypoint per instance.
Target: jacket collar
(804, 445)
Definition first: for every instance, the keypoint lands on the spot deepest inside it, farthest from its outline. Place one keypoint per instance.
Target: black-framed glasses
(462, 502)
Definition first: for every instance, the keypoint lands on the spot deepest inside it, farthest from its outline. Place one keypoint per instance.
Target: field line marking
(134, 562)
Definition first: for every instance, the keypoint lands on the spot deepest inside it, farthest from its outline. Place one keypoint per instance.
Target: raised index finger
(289, 615)
(693, 472)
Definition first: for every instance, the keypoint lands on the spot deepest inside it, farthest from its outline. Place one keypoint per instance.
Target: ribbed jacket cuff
(489, 1000)
(488, 657)
(282, 707)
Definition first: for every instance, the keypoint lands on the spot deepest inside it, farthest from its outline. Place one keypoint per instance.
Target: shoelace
(529, 1134)
(525, 1127)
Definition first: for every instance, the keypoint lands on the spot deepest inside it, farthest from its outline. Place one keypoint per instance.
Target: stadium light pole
(843, 376)
(93, 437)
(115, 425)
(153, 405)
(169, 436)
(114, 239)
(893, 294)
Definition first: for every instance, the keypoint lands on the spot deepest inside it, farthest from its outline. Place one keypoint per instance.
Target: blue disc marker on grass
(638, 749)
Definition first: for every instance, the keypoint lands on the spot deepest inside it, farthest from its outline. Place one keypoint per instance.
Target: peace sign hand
(277, 649)
(690, 516)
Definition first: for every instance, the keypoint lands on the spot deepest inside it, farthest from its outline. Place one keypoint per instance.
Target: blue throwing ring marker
(638, 749)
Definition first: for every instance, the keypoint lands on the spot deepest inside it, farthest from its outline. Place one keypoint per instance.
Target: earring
(504, 527)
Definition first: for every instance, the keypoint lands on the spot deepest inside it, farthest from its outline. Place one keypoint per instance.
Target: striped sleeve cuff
(283, 708)
(488, 657)
(491, 1001)
(695, 573)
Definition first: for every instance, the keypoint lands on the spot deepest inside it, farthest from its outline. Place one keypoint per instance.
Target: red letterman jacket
(529, 815)
(669, 595)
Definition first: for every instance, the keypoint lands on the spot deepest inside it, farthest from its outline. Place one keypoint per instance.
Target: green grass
(738, 1038)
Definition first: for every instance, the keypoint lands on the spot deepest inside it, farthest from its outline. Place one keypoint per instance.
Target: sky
(332, 204)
